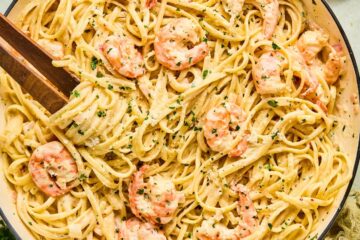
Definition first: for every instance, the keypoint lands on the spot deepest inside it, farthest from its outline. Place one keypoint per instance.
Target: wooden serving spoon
(25, 61)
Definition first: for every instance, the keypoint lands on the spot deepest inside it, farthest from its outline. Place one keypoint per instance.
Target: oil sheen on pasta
(210, 121)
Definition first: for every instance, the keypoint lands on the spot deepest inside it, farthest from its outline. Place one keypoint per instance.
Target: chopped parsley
(124, 88)
(101, 113)
(75, 93)
(82, 177)
(205, 73)
(178, 101)
(110, 87)
(273, 103)
(99, 75)
(197, 129)
(94, 63)
(275, 46)
(81, 132)
(74, 124)
(140, 191)
(274, 135)
(270, 225)
(267, 166)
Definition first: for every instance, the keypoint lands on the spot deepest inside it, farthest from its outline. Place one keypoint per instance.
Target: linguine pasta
(113, 124)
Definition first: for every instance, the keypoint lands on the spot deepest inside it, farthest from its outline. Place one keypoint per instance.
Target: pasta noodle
(113, 124)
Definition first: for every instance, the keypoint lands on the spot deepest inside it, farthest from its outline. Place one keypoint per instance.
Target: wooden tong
(32, 68)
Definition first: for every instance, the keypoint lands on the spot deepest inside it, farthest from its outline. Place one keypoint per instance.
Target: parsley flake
(205, 73)
(94, 63)
(75, 93)
(101, 114)
(275, 46)
(273, 103)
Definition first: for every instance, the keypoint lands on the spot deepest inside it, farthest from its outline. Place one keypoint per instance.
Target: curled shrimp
(54, 48)
(311, 43)
(210, 230)
(155, 201)
(267, 73)
(53, 169)
(221, 126)
(123, 57)
(311, 83)
(175, 44)
(271, 14)
(133, 229)
(302, 70)
(334, 65)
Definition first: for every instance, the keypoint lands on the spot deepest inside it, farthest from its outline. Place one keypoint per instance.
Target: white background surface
(348, 14)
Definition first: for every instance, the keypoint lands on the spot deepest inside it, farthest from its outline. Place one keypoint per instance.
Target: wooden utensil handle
(30, 80)
(60, 77)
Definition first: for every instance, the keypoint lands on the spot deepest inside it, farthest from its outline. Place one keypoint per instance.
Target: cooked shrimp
(271, 14)
(123, 56)
(54, 48)
(267, 73)
(172, 44)
(53, 169)
(210, 230)
(133, 229)
(233, 7)
(220, 128)
(151, 3)
(302, 70)
(155, 201)
(334, 65)
(246, 210)
(311, 43)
